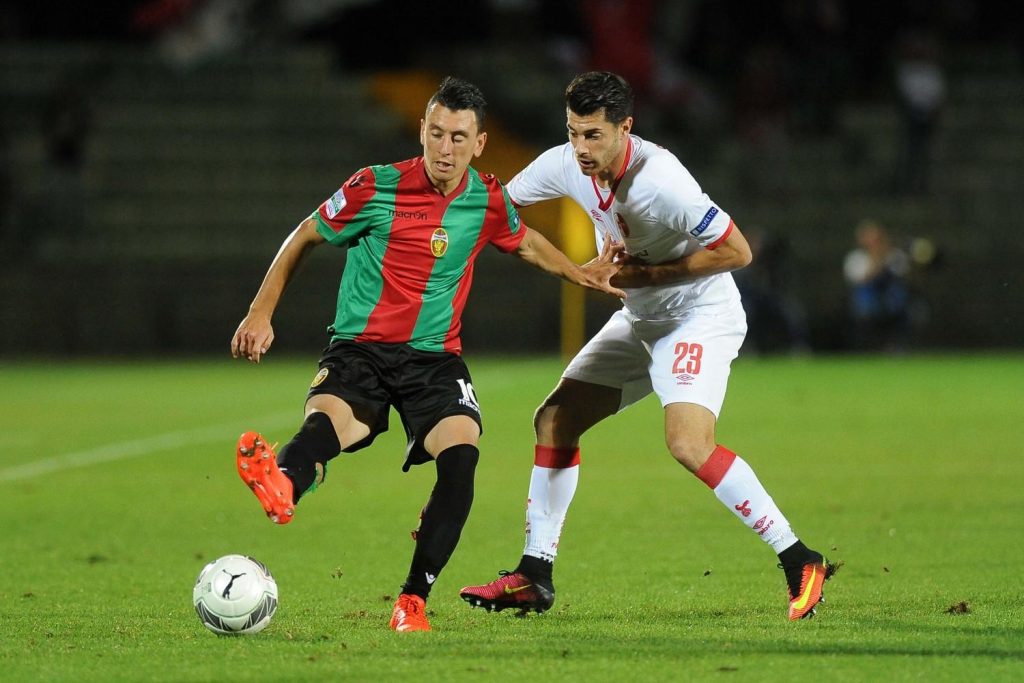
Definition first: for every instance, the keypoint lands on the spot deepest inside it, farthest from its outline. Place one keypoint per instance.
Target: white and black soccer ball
(235, 595)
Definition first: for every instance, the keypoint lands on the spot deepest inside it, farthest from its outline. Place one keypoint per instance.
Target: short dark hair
(459, 95)
(597, 90)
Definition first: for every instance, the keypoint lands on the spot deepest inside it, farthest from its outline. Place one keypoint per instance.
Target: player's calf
(304, 458)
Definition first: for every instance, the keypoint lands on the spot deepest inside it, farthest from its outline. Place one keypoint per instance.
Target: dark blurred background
(153, 155)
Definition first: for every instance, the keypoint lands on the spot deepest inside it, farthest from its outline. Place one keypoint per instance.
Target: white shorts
(682, 360)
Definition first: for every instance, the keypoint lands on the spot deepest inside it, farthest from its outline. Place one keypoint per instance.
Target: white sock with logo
(552, 486)
(736, 485)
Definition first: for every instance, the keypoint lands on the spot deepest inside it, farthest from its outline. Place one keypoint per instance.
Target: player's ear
(423, 132)
(626, 125)
(481, 140)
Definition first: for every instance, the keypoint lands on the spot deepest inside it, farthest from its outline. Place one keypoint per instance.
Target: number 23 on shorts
(687, 358)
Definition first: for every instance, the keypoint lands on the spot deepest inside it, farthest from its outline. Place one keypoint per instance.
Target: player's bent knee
(542, 419)
(452, 431)
(459, 461)
(555, 424)
(690, 453)
(348, 428)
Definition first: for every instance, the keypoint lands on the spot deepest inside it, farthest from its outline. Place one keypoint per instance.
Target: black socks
(443, 517)
(795, 555)
(315, 442)
(537, 570)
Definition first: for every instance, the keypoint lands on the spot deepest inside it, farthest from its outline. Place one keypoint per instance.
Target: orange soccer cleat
(409, 614)
(257, 466)
(805, 585)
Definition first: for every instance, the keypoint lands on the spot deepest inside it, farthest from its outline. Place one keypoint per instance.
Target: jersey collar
(604, 203)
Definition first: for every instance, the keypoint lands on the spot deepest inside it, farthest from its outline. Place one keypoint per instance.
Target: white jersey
(655, 207)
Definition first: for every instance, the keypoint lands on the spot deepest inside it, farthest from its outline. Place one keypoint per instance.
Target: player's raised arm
(255, 334)
(730, 254)
(536, 250)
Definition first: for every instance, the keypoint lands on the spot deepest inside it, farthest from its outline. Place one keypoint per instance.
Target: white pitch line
(123, 450)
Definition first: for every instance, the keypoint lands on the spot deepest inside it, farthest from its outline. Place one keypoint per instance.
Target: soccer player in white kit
(681, 326)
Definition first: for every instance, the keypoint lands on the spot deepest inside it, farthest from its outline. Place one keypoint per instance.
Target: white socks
(556, 472)
(736, 485)
(552, 487)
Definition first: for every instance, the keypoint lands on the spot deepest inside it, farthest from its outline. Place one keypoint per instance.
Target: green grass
(118, 484)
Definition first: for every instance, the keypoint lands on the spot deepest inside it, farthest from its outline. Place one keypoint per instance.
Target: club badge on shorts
(439, 243)
(320, 377)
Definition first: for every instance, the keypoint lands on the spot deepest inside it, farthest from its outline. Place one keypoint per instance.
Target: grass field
(118, 484)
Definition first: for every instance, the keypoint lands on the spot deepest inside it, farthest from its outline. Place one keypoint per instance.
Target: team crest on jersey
(439, 243)
(320, 377)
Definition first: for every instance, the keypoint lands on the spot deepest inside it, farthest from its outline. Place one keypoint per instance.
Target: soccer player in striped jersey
(413, 231)
(680, 327)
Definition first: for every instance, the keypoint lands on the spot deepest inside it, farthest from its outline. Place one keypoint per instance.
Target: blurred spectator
(686, 101)
(621, 40)
(876, 274)
(35, 215)
(189, 33)
(59, 214)
(67, 119)
(822, 52)
(159, 15)
(763, 107)
(921, 89)
(639, 39)
(776, 318)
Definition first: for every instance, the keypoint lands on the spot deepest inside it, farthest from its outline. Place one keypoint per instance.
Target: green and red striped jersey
(411, 252)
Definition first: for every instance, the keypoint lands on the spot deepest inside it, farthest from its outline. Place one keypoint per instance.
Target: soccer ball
(235, 594)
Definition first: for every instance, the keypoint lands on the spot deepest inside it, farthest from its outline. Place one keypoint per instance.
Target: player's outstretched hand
(253, 338)
(600, 270)
(634, 271)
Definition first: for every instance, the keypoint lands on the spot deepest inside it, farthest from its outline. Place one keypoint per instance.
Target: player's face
(451, 140)
(598, 143)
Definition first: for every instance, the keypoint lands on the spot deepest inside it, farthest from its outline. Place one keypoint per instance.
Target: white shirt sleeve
(682, 206)
(543, 179)
(856, 266)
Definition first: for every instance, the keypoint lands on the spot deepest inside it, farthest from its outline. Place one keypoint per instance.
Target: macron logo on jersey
(335, 204)
(705, 222)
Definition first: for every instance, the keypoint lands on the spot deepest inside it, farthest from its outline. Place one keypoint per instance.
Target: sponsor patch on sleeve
(705, 222)
(335, 204)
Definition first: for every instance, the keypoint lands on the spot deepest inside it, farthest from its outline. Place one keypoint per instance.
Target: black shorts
(423, 386)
